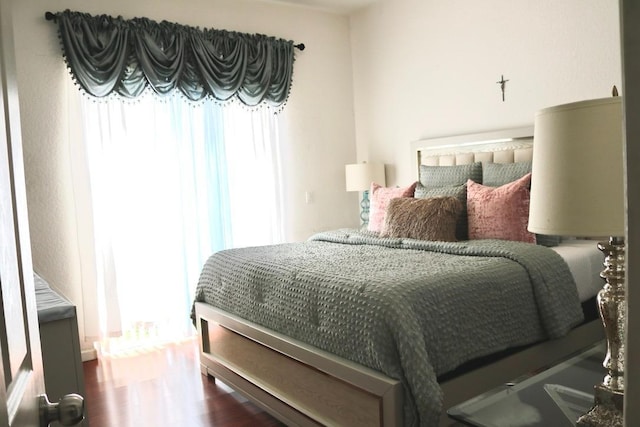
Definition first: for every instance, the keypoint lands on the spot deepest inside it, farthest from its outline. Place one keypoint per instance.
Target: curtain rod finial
(300, 46)
(49, 16)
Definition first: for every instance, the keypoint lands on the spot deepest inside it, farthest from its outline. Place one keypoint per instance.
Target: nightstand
(554, 397)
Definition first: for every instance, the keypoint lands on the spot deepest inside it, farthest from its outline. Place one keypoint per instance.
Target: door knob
(69, 411)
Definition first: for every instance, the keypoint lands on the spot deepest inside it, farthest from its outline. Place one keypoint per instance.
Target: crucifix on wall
(503, 83)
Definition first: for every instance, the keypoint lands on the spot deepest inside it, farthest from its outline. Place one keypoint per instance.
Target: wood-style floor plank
(163, 388)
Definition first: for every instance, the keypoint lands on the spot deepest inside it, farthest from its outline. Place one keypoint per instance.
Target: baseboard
(89, 354)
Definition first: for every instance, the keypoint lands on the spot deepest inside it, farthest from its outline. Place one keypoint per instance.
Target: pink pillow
(380, 197)
(500, 212)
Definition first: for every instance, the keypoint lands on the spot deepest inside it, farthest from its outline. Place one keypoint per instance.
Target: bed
(367, 328)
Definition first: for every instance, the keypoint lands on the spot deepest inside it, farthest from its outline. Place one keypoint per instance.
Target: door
(21, 378)
(21, 373)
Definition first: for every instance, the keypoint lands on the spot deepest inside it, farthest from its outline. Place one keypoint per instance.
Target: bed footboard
(303, 386)
(298, 384)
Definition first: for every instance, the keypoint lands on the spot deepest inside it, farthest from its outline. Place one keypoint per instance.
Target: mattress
(585, 262)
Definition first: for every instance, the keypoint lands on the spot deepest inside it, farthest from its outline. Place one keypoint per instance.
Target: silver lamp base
(607, 409)
(609, 396)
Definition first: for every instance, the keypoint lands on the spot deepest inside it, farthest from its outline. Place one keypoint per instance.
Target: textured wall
(429, 68)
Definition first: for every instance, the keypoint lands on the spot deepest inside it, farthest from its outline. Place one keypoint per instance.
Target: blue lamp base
(364, 208)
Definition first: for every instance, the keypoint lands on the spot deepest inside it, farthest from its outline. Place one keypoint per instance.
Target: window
(170, 183)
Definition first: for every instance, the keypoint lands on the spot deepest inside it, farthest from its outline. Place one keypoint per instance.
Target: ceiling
(343, 7)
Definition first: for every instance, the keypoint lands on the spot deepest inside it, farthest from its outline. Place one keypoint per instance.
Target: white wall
(318, 124)
(429, 68)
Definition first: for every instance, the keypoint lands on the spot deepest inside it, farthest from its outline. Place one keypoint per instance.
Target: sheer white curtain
(170, 183)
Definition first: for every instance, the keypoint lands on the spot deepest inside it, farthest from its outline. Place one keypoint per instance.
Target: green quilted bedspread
(410, 309)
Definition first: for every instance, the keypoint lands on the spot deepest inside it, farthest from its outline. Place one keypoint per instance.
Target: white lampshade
(359, 176)
(577, 186)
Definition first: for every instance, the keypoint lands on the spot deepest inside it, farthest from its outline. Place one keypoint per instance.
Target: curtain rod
(49, 16)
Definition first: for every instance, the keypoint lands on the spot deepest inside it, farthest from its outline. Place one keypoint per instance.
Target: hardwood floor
(163, 388)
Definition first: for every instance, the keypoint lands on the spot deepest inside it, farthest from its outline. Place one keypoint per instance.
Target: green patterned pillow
(498, 174)
(447, 176)
(457, 191)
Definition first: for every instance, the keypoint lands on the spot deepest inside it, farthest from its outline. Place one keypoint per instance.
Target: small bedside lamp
(577, 189)
(359, 177)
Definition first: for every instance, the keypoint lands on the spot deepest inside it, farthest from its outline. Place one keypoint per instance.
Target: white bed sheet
(585, 261)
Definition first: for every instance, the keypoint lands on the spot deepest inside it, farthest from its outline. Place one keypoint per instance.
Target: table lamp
(359, 177)
(577, 189)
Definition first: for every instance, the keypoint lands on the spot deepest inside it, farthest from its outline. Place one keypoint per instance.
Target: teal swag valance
(108, 55)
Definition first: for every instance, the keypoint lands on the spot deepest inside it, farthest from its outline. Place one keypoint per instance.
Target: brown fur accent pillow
(434, 218)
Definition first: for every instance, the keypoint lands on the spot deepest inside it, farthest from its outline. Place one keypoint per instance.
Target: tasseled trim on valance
(107, 55)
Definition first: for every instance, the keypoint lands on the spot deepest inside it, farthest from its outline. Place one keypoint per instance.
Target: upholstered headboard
(504, 146)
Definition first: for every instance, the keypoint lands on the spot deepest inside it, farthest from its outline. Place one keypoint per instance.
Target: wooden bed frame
(304, 386)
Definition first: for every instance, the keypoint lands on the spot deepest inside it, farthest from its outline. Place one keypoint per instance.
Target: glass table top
(554, 397)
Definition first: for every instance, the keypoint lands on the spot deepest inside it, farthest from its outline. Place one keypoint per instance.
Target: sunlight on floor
(143, 338)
